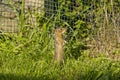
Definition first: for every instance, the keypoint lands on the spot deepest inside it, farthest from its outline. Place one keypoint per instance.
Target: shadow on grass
(20, 77)
(93, 76)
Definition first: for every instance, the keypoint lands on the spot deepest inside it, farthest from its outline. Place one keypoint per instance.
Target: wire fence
(104, 14)
(10, 10)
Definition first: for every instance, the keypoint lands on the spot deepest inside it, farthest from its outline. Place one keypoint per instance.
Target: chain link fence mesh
(101, 15)
(10, 11)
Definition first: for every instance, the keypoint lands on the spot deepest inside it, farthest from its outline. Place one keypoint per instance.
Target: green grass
(25, 58)
(28, 54)
(23, 67)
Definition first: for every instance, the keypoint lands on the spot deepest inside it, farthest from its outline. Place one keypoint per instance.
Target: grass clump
(28, 54)
(25, 57)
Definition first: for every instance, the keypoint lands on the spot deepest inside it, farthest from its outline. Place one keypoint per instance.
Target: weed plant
(28, 54)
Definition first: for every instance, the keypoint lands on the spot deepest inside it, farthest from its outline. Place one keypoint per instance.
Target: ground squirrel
(59, 42)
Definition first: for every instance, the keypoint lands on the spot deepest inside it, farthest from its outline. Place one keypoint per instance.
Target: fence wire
(10, 11)
(102, 14)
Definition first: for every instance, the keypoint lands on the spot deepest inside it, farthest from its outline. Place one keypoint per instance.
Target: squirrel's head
(60, 30)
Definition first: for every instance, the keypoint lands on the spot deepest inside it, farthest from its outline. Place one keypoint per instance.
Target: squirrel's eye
(59, 30)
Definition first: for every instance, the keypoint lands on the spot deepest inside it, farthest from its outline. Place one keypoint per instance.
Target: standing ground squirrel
(59, 42)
